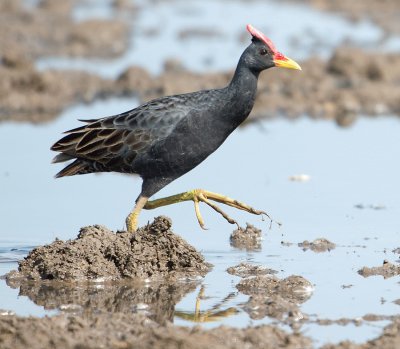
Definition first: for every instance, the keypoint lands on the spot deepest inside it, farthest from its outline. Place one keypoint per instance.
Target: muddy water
(349, 199)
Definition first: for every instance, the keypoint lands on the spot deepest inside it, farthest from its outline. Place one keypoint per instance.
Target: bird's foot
(131, 222)
(132, 219)
(200, 195)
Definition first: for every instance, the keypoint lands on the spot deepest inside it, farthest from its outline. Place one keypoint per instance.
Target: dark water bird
(164, 138)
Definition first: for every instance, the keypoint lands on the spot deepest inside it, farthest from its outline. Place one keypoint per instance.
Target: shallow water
(347, 167)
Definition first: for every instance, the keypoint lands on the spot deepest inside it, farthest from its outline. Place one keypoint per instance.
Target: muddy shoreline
(352, 82)
(119, 289)
(127, 303)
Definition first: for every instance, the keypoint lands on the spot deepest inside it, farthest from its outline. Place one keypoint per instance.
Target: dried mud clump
(121, 330)
(387, 270)
(318, 245)
(246, 270)
(248, 239)
(153, 252)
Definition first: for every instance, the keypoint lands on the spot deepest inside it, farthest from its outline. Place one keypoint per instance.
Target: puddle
(347, 167)
(178, 29)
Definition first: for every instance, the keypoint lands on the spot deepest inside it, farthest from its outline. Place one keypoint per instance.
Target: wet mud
(294, 287)
(121, 330)
(350, 83)
(318, 245)
(29, 95)
(246, 269)
(383, 13)
(246, 239)
(390, 339)
(387, 270)
(50, 29)
(116, 290)
(276, 298)
(97, 254)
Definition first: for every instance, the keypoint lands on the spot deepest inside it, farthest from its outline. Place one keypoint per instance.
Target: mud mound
(98, 254)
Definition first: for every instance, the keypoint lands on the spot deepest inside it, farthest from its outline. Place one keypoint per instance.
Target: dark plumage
(163, 139)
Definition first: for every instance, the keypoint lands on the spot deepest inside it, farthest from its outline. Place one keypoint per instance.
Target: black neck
(244, 79)
(242, 90)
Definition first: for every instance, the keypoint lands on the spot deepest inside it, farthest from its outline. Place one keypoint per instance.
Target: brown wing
(112, 143)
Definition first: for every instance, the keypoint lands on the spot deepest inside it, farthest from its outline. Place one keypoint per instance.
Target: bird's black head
(262, 54)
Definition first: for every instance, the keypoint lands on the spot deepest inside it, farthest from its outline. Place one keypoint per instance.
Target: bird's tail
(75, 168)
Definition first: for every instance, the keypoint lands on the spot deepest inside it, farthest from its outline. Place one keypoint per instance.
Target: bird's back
(153, 134)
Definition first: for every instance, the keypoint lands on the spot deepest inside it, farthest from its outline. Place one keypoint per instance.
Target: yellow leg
(132, 219)
(200, 195)
(198, 300)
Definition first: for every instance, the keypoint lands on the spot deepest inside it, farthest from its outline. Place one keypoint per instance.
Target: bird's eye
(263, 51)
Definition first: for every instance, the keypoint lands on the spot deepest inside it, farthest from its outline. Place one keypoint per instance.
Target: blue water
(347, 167)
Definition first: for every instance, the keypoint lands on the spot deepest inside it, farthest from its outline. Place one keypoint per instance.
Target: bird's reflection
(215, 313)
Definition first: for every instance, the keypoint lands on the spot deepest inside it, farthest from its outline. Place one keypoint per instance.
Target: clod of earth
(387, 270)
(246, 239)
(318, 245)
(153, 252)
(246, 269)
(276, 298)
(293, 287)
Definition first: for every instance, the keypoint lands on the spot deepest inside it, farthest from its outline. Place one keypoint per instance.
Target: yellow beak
(285, 62)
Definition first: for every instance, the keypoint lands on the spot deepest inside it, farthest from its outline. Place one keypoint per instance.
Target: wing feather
(113, 142)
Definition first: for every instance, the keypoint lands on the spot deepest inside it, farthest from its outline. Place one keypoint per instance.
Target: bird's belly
(176, 156)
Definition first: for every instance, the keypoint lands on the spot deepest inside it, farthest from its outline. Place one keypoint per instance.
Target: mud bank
(50, 29)
(383, 13)
(98, 254)
(350, 83)
(390, 339)
(121, 330)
